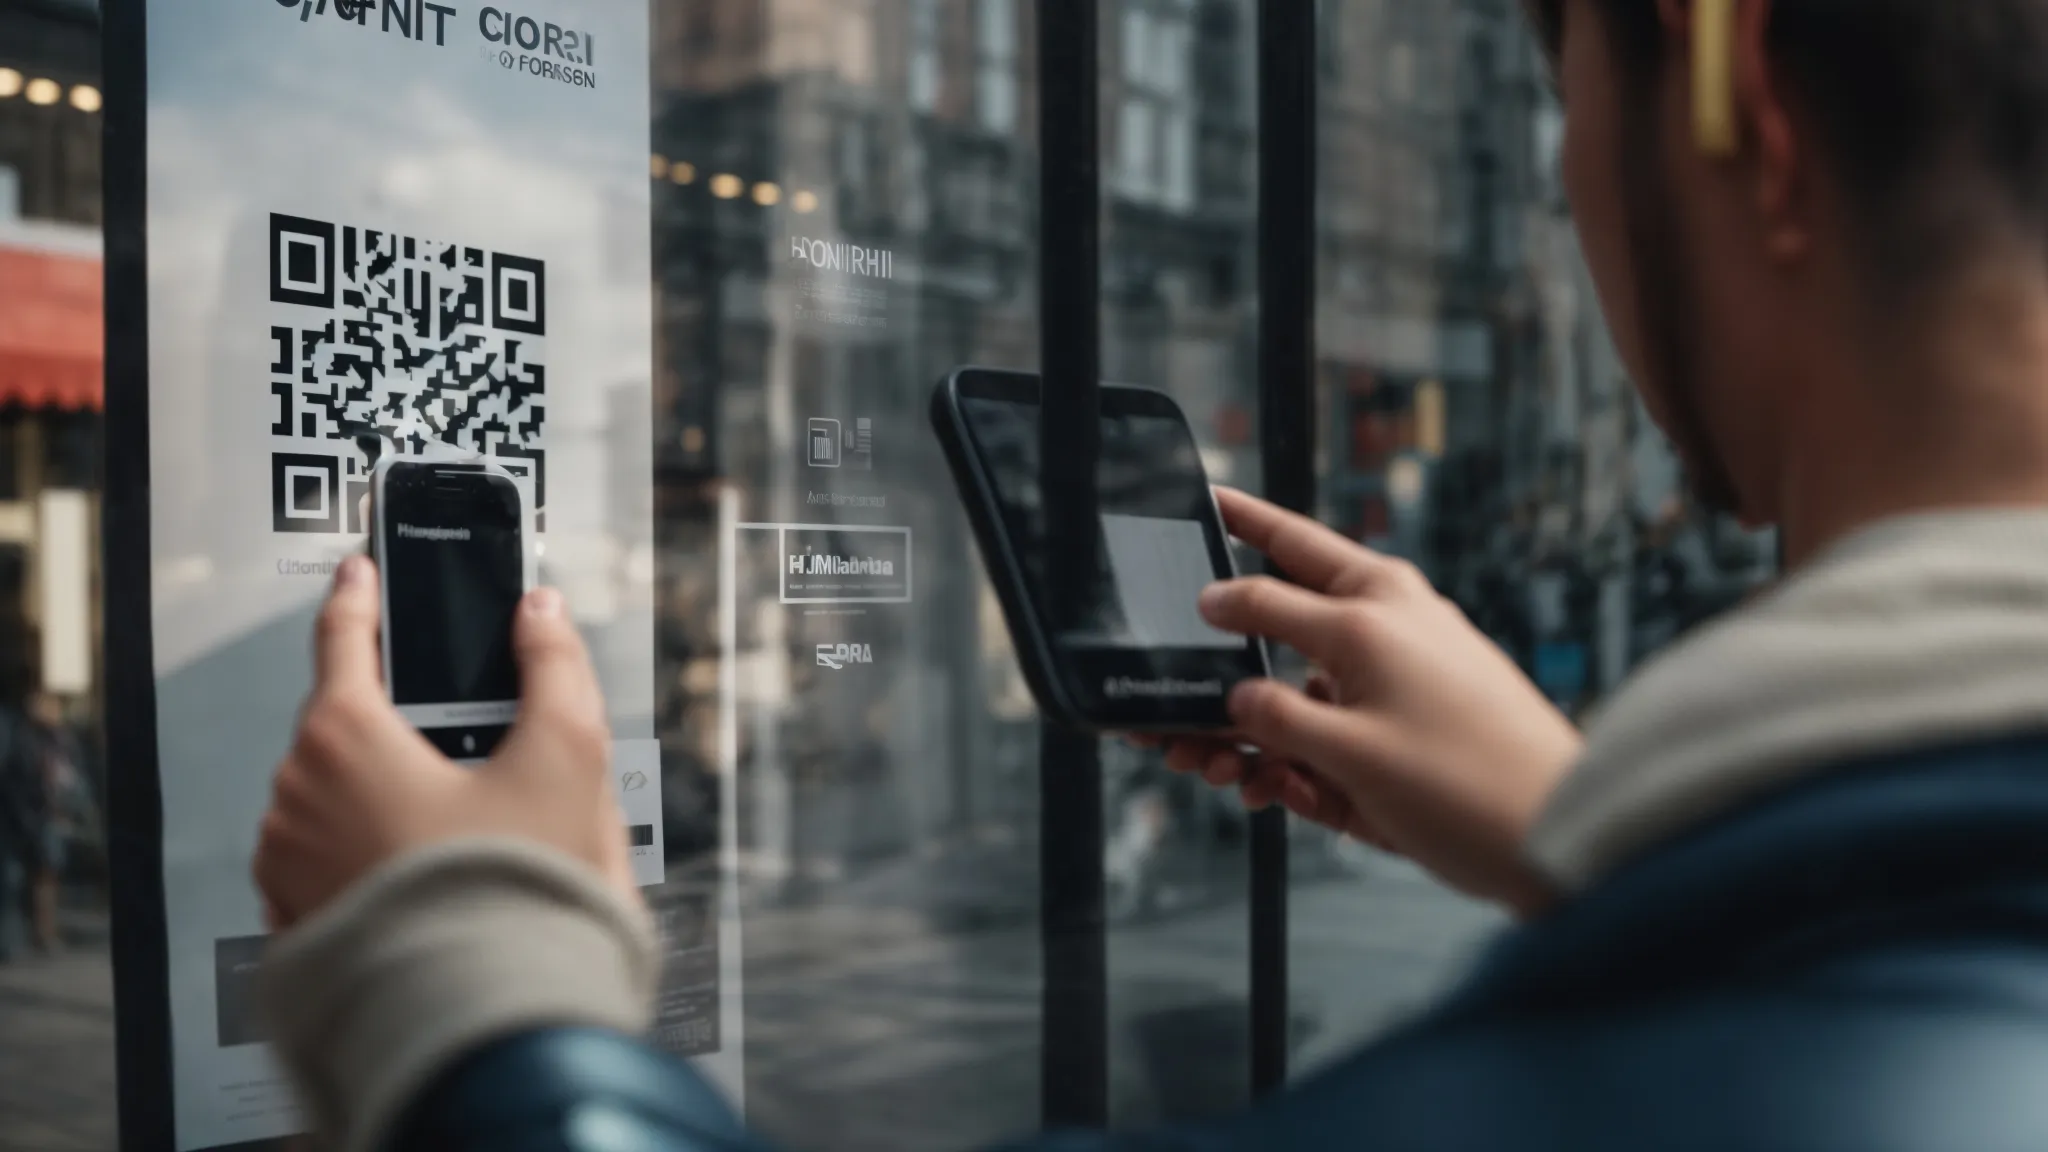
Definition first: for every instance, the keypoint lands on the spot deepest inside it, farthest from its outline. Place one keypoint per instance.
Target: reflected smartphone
(449, 539)
(1141, 659)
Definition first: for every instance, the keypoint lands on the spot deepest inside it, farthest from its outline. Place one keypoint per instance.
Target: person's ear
(1737, 101)
(1768, 125)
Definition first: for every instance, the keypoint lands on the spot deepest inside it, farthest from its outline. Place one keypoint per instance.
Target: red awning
(52, 330)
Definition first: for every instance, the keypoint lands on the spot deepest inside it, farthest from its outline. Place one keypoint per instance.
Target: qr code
(419, 341)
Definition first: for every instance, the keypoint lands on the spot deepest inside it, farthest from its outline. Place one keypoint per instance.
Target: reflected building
(1478, 418)
(787, 134)
(1180, 192)
(906, 127)
(51, 353)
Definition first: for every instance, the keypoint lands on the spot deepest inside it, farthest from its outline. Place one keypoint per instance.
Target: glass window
(1135, 140)
(882, 756)
(1155, 133)
(1180, 315)
(836, 225)
(52, 144)
(996, 68)
(71, 450)
(1477, 421)
(921, 82)
(1136, 44)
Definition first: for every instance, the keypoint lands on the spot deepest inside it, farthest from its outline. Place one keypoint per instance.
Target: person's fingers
(1190, 757)
(1266, 785)
(1284, 721)
(272, 878)
(1317, 802)
(1304, 549)
(558, 688)
(1226, 768)
(345, 650)
(1306, 621)
(1300, 796)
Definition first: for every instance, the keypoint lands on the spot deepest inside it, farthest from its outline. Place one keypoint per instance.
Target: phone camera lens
(469, 743)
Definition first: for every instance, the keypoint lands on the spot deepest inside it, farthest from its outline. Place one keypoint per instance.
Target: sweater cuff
(440, 951)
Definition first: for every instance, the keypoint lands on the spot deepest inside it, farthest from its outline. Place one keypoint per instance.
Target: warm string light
(44, 91)
(729, 186)
(10, 83)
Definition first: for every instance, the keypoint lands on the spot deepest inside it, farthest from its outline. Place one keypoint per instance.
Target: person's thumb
(346, 657)
(1284, 721)
(561, 706)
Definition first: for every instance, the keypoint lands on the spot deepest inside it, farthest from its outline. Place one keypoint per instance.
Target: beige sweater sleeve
(436, 953)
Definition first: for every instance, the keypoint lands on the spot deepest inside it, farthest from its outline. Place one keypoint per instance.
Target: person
(1788, 890)
(34, 830)
(23, 832)
(50, 762)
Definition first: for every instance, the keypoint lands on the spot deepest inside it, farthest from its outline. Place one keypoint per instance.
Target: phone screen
(453, 567)
(1139, 648)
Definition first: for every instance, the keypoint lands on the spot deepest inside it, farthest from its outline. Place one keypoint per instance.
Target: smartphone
(449, 538)
(1139, 657)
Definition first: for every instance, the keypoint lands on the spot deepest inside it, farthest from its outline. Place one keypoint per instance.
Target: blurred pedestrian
(25, 815)
(18, 860)
(50, 754)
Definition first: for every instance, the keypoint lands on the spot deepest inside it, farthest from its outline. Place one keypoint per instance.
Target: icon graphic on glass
(830, 444)
(824, 441)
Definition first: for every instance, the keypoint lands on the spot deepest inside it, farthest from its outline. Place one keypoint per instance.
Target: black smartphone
(450, 544)
(1140, 657)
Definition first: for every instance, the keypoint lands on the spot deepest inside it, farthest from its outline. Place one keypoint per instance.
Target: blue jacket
(1860, 962)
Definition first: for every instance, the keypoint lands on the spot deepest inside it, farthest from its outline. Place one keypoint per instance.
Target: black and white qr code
(420, 341)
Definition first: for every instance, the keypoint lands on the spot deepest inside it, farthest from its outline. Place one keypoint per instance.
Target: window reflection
(1478, 421)
(1155, 151)
(856, 222)
(1180, 313)
(1474, 418)
(995, 68)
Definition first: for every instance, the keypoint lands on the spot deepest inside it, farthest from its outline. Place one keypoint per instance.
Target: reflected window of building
(996, 64)
(1478, 421)
(1155, 125)
(921, 79)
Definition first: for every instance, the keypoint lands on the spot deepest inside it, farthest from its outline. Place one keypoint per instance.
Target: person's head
(1792, 295)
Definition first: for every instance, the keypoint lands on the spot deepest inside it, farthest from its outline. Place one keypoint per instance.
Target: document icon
(824, 442)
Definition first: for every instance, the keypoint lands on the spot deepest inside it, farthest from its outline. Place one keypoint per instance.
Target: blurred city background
(1473, 417)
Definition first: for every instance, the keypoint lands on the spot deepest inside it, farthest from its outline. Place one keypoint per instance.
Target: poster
(432, 218)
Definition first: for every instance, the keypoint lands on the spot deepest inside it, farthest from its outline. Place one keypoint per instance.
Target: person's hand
(1417, 733)
(360, 786)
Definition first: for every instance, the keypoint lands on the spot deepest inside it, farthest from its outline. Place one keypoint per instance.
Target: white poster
(431, 218)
